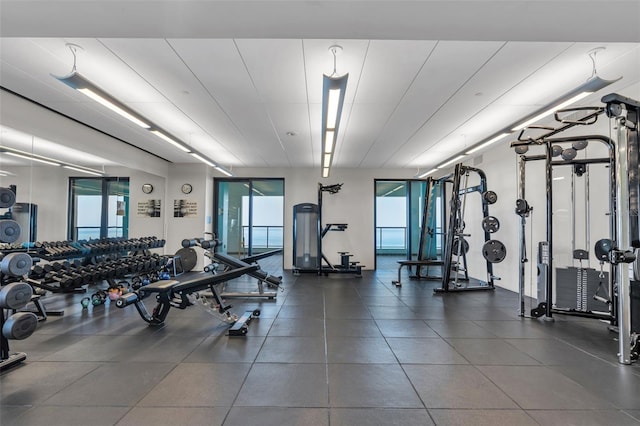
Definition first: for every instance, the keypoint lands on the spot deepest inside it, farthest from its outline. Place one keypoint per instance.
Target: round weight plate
(602, 249)
(490, 197)
(456, 246)
(15, 295)
(522, 207)
(521, 149)
(490, 224)
(569, 154)
(494, 251)
(16, 264)
(20, 325)
(556, 150)
(188, 257)
(7, 198)
(581, 144)
(10, 231)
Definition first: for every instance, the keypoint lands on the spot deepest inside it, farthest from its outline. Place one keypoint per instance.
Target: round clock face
(147, 188)
(186, 188)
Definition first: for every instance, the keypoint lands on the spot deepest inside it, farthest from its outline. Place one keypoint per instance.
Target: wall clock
(147, 188)
(186, 188)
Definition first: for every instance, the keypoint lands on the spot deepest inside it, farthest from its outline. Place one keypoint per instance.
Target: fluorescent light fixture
(170, 140)
(81, 84)
(49, 161)
(83, 170)
(551, 110)
(453, 160)
(204, 160)
(333, 90)
(559, 178)
(78, 82)
(487, 143)
(590, 86)
(33, 158)
(223, 171)
(425, 174)
(333, 103)
(328, 141)
(113, 107)
(327, 160)
(211, 164)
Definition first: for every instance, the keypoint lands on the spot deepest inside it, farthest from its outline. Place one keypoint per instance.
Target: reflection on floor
(335, 350)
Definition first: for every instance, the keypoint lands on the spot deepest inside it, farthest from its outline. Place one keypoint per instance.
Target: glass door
(250, 215)
(232, 221)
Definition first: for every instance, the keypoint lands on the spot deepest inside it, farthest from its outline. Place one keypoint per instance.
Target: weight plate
(522, 207)
(188, 257)
(490, 224)
(602, 249)
(494, 251)
(521, 149)
(556, 150)
(10, 231)
(16, 264)
(7, 198)
(20, 325)
(456, 246)
(569, 154)
(490, 197)
(581, 144)
(15, 295)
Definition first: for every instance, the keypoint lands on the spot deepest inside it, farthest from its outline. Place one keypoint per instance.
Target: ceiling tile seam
(355, 95)
(213, 98)
(160, 92)
(306, 88)
(446, 102)
(496, 100)
(266, 110)
(404, 95)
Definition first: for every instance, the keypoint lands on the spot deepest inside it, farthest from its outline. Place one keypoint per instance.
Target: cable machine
(308, 233)
(581, 291)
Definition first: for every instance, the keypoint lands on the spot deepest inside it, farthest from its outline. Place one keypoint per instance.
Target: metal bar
(549, 186)
(622, 243)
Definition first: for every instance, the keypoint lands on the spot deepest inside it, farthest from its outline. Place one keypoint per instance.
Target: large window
(98, 208)
(398, 215)
(250, 215)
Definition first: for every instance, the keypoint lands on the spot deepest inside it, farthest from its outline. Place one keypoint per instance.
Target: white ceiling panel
(411, 101)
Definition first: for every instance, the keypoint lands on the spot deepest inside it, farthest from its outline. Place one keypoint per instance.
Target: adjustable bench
(260, 275)
(173, 293)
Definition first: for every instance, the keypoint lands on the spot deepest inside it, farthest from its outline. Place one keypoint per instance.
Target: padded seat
(162, 286)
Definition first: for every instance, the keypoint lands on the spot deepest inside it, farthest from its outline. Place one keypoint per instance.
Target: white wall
(353, 205)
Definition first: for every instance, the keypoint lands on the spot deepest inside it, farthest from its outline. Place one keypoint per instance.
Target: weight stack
(575, 288)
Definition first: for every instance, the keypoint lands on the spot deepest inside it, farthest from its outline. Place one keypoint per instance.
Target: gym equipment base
(476, 286)
(12, 360)
(419, 264)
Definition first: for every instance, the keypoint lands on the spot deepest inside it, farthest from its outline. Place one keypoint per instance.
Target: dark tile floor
(335, 350)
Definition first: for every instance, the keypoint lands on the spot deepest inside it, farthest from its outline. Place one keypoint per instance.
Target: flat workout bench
(172, 293)
(419, 263)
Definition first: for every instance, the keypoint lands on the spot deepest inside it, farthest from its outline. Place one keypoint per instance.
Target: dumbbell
(10, 231)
